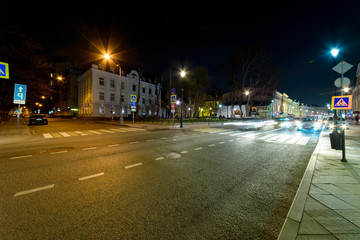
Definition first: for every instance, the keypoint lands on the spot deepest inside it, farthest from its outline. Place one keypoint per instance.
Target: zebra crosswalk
(89, 132)
(270, 137)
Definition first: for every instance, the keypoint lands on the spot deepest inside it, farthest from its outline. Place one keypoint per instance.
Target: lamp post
(247, 93)
(334, 52)
(182, 74)
(107, 57)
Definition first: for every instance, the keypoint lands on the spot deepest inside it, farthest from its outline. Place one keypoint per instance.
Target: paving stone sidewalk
(327, 204)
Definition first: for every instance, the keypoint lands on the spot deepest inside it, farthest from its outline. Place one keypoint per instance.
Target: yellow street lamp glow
(106, 56)
(182, 74)
(247, 92)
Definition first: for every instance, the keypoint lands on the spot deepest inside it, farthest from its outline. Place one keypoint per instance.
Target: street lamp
(334, 52)
(107, 57)
(182, 74)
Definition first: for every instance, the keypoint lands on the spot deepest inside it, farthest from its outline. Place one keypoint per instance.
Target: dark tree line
(27, 65)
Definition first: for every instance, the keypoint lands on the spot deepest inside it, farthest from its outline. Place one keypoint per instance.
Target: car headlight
(343, 126)
(317, 125)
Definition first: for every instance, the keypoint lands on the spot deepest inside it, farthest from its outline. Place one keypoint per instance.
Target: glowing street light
(334, 52)
(107, 57)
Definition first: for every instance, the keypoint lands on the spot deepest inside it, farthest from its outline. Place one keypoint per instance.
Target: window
(112, 83)
(102, 110)
(101, 96)
(149, 90)
(134, 87)
(122, 98)
(122, 86)
(101, 81)
(112, 97)
(143, 101)
(143, 89)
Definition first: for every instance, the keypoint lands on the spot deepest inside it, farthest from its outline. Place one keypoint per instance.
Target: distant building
(356, 93)
(99, 93)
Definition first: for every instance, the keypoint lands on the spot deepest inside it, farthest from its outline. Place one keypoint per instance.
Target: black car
(38, 119)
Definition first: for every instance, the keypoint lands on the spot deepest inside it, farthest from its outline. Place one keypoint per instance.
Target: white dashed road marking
(91, 176)
(25, 156)
(33, 190)
(47, 135)
(133, 165)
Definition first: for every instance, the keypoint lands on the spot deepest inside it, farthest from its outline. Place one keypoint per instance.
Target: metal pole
(341, 121)
(121, 114)
(18, 117)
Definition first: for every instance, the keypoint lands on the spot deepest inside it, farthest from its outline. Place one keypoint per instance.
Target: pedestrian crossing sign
(341, 102)
(4, 70)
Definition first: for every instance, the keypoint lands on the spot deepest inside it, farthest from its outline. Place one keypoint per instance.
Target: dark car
(38, 119)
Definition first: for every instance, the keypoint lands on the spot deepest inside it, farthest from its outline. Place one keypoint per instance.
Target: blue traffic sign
(341, 102)
(173, 98)
(20, 88)
(4, 70)
(19, 96)
(133, 104)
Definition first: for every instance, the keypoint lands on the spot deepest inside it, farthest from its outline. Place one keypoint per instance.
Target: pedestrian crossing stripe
(89, 132)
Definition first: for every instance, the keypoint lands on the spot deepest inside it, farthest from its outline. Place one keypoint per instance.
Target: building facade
(356, 93)
(99, 94)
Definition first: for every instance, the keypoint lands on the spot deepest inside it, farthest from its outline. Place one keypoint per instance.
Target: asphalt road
(155, 183)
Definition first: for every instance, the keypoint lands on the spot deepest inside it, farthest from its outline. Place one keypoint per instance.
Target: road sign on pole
(341, 102)
(342, 67)
(4, 70)
(20, 93)
(173, 99)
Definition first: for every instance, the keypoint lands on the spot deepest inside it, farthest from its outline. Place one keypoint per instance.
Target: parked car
(310, 124)
(38, 119)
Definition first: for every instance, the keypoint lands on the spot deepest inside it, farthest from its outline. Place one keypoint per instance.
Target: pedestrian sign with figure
(341, 102)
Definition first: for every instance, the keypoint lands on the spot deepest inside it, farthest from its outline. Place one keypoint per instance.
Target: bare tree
(249, 67)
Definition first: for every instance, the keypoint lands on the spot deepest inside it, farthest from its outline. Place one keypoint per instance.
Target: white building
(99, 94)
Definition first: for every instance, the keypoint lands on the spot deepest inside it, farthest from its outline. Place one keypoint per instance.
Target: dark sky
(299, 35)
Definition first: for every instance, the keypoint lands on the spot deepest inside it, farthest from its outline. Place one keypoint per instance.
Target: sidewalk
(9, 132)
(327, 204)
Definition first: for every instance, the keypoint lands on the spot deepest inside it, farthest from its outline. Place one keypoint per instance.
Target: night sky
(299, 36)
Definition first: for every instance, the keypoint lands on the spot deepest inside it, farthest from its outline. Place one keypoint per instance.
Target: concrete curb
(291, 225)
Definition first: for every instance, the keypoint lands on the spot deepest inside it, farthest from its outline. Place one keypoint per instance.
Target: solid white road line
(91, 176)
(25, 156)
(33, 190)
(89, 148)
(64, 134)
(47, 135)
(133, 165)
